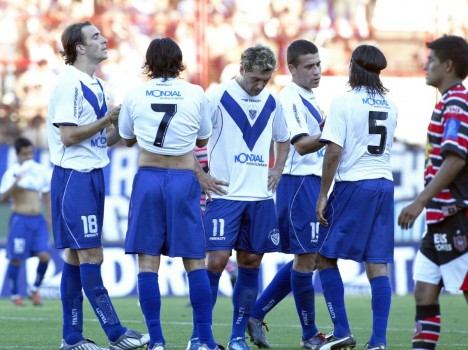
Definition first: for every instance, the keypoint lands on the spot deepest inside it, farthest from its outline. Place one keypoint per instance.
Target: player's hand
(114, 115)
(320, 210)
(409, 214)
(209, 185)
(274, 177)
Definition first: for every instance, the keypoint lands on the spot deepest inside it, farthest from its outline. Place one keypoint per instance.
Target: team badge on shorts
(459, 241)
(274, 235)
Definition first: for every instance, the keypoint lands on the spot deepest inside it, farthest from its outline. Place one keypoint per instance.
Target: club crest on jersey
(253, 112)
(100, 98)
(274, 236)
(460, 242)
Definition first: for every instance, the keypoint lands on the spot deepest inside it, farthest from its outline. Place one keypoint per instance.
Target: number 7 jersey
(166, 116)
(364, 126)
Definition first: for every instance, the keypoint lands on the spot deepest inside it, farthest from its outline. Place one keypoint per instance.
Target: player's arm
(46, 205)
(449, 169)
(306, 144)
(330, 165)
(208, 183)
(74, 134)
(10, 192)
(281, 154)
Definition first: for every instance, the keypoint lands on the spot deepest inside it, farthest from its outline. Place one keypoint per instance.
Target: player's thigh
(18, 244)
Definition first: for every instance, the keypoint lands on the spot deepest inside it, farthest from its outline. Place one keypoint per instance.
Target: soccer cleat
(333, 343)
(130, 340)
(17, 300)
(257, 333)
(84, 344)
(314, 342)
(36, 298)
(193, 344)
(378, 347)
(238, 344)
(158, 346)
(206, 347)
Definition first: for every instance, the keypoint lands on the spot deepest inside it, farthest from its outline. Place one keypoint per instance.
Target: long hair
(71, 37)
(298, 48)
(163, 59)
(452, 47)
(367, 62)
(259, 58)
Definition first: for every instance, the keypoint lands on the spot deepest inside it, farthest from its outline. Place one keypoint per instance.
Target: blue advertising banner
(120, 270)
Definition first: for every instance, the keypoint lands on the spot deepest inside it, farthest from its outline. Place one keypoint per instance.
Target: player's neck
(86, 67)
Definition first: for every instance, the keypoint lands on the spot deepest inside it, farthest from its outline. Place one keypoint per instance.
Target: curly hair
(71, 37)
(367, 62)
(259, 58)
(163, 59)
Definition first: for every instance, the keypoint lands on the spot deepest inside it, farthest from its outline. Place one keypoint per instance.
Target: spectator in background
(357, 217)
(27, 185)
(442, 260)
(246, 119)
(296, 197)
(80, 127)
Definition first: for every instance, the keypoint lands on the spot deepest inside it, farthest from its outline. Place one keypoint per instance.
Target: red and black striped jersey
(448, 133)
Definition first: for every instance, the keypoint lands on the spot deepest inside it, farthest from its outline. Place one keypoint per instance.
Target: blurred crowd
(211, 34)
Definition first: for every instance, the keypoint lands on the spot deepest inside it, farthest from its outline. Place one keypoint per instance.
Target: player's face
(254, 82)
(435, 70)
(95, 44)
(25, 153)
(308, 71)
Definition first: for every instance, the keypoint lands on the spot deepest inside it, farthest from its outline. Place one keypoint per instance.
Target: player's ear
(449, 66)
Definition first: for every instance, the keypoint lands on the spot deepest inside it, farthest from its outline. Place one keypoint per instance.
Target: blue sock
(243, 300)
(381, 300)
(40, 272)
(277, 290)
(150, 303)
(100, 302)
(13, 273)
(72, 304)
(333, 291)
(199, 288)
(214, 284)
(213, 277)
(304, 297)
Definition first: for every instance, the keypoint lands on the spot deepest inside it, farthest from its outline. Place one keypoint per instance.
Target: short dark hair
(366, 63)
(298, 48)
(20, 143)
(454, 48)
(71, 37)
(163, 59)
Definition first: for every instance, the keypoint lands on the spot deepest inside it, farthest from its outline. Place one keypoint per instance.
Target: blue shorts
(165, 217)
(241, 225)
(28, 236)
(360, 218)
(296, 197)
(77, 203)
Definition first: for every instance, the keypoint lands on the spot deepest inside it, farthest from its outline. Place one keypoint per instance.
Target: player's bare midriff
(148, 159)
(27, 202)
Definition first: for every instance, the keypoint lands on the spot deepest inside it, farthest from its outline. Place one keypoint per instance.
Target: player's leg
(13, 269)
(200, 298)
(304, 297)
(41, 245)
(381, 301)
(150, 297)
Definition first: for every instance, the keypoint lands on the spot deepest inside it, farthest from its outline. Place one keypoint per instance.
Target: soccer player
(80, 127)
(27, 185)
(442, 260)
(357, 218)
(296, 197)
(246, 118)
(167, 116)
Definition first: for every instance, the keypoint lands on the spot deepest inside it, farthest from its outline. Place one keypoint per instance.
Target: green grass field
(40, 327)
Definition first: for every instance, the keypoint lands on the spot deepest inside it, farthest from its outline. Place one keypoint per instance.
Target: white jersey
(239, 149)
(165, 116)
(303, 118)
(34, 177)
(77, 99)
(364, 127)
